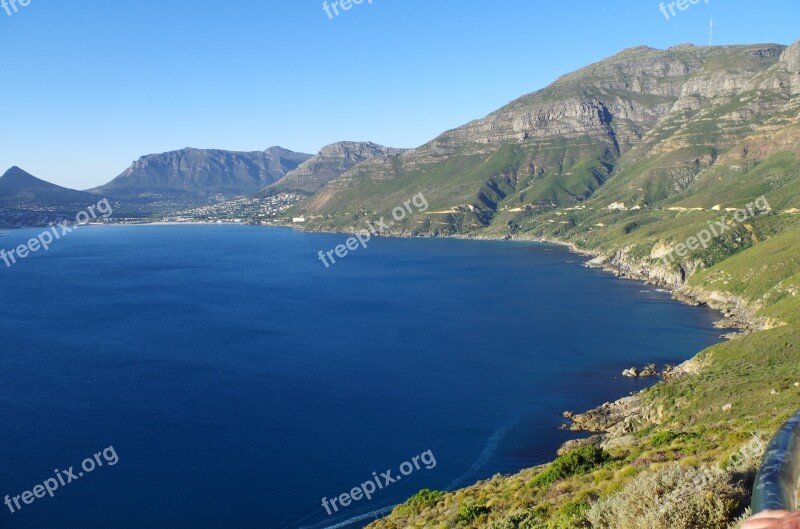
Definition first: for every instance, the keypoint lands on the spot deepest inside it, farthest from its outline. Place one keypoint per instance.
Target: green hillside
(678, 167)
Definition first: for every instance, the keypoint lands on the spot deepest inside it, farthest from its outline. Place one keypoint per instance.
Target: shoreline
(736, 312)
(607, 423)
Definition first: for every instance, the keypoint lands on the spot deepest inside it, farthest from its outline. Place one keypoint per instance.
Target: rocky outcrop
(614, 423)
(631, 373)
(613, 419)
(738, 312)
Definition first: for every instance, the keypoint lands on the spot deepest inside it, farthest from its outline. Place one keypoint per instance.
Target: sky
(88, 86)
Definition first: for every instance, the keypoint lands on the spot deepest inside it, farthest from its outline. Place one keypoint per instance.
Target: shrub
(664, 438)
(424, 499)
(578, 461)
(519, 520)
(674, 497)
(470, 513)
(737, 524)
(747, 458)
(571, 516)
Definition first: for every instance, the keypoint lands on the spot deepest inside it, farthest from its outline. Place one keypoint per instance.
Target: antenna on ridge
(711, 32)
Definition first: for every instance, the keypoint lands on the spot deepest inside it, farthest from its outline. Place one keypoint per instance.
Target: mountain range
(187, 176)
(639, 128)
(642, 127)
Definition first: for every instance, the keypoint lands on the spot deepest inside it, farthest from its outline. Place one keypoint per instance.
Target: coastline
(609, 422)
(737, 313)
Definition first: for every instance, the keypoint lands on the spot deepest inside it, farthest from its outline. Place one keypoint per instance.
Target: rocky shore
(613, 423)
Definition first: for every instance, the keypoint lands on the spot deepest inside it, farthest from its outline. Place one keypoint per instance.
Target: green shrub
(520, 520)
(578, 461)
(424, 499)
(571, 516)
(470, 513)
(664, 438)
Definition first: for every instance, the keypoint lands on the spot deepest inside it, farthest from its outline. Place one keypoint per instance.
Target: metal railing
(777, 479)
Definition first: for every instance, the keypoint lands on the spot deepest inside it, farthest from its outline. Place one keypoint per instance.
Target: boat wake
(488, 452)
(359, 518)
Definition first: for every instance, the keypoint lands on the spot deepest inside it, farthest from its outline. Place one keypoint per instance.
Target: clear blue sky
(90, 85)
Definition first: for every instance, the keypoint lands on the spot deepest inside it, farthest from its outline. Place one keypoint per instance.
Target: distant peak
(639, 48)
(16, 172)
(16, 178)
(276, 149)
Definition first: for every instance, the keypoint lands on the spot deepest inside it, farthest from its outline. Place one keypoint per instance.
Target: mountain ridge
(329, 163)
(556, 146)
(200, 171)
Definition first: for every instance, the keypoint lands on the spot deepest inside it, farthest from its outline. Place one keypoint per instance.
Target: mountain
(331, 162)
(644, 118)
(21, 190)
(679, 168)
(203, 171)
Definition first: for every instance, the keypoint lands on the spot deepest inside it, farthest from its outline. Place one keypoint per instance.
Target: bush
(570, 516)
(664, 438)
(674, 497)
(578, 461)
(424, 499)
(470, 513)
(520, 520)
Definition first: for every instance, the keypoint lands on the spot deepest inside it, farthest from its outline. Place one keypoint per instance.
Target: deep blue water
(240, 382)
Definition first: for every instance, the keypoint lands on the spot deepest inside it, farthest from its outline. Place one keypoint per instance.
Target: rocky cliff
(677, 108)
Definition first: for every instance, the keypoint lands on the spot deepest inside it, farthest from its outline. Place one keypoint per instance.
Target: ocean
(223, 377)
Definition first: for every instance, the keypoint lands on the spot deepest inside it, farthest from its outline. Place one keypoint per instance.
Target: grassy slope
(745, 387)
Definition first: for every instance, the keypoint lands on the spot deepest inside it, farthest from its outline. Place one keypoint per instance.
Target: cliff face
(739, 312)
(331, 162)
(205, 171)
(562, 144)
